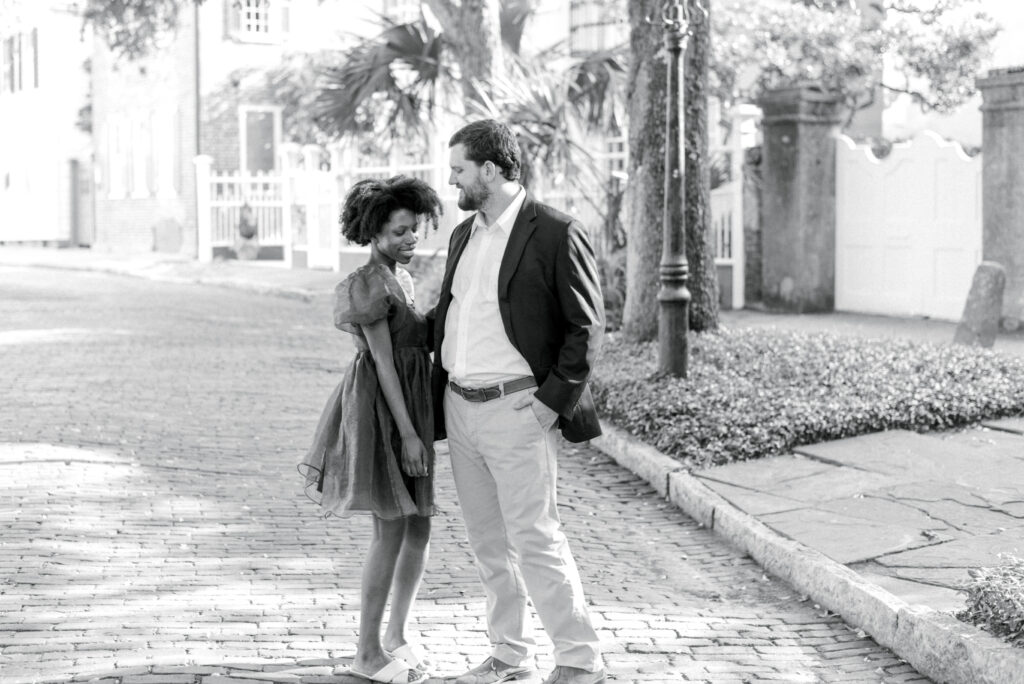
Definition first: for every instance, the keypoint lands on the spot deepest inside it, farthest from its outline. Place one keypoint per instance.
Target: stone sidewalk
(878, 528)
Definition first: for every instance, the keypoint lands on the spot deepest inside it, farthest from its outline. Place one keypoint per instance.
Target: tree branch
(916, 95)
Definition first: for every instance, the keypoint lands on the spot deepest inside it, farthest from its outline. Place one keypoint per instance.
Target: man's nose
(451, 178)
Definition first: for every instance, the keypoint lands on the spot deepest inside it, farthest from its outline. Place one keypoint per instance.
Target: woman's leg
(408, 572)
(377, 574)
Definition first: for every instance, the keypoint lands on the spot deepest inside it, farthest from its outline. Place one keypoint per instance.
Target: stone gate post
(800, 125)
(1002, 182)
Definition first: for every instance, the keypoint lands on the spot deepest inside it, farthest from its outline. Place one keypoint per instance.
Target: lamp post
(673, 297)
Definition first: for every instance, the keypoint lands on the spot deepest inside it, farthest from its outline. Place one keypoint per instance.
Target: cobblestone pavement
(153, 527)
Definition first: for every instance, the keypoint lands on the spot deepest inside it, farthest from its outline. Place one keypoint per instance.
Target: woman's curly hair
(369, 204)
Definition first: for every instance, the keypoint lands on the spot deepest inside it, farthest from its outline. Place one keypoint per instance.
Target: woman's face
(397, 239)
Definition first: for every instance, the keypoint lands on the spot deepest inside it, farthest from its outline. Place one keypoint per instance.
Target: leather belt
(495, 391)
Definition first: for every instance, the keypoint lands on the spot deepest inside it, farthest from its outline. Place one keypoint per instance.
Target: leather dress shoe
(563, 674)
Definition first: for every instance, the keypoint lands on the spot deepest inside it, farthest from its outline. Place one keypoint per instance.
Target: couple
(514, 335)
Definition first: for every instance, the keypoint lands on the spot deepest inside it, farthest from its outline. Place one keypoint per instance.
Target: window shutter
(285, 16)
(232, 17)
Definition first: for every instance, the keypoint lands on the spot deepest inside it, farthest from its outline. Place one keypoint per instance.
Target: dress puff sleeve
(364, 297)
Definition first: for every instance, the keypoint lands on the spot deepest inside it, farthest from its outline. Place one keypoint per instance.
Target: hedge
(753, 393)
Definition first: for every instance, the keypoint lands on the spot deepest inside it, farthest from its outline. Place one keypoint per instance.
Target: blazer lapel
(522, 229)
(458, 246)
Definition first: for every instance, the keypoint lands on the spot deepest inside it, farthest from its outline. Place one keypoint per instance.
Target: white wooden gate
(908, 228)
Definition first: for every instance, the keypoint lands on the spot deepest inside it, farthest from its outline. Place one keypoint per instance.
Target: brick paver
(154, 529)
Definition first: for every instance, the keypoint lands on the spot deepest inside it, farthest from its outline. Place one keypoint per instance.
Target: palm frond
(394, 79)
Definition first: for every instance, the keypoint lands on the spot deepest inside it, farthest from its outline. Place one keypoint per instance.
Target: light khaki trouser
(504, 465)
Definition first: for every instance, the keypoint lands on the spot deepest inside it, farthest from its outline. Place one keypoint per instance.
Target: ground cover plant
(995, 599)
(753, 393)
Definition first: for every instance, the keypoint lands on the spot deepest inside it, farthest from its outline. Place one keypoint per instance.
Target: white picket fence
(296, 210)
(908, 228)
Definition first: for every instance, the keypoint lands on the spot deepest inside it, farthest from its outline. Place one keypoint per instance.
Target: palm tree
(397, 82)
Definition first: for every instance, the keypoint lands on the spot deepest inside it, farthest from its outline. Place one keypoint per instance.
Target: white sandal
(396, 672)
(415, 656)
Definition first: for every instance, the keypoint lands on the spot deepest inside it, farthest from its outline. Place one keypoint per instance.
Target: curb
(158, 272)
(936, 644)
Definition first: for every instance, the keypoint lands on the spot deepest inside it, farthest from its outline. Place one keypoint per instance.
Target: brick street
(154, 528)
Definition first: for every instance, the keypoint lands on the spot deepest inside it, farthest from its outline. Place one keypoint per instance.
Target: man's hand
(545, 415)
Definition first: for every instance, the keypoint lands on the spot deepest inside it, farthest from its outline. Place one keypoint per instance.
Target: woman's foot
(371, 662)
(412, 654)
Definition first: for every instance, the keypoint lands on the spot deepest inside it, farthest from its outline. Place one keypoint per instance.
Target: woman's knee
(417, 530)
(387, 533)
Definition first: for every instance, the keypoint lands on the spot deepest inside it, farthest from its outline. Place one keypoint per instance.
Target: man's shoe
(563, 674)
(493, 670)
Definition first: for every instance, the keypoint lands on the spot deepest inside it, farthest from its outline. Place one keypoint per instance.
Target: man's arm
(578, 288)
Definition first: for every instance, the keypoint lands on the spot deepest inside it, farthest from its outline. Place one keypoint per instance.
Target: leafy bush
(753, 393)
(995, 599)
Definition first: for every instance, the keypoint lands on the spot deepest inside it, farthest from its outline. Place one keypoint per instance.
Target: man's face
(467, 176)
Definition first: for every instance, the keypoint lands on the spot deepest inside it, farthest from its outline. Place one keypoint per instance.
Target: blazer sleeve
(578, 289)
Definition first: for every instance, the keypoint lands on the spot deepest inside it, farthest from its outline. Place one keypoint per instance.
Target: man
(517, 327)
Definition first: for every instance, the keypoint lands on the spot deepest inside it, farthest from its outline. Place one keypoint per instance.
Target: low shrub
(753, 393)
(995, 599)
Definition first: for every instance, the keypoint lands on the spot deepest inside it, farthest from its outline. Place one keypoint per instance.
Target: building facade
(154, 115)
(44, 156)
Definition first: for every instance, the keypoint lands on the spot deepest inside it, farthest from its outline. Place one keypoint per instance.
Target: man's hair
(493, 141)
(370, 203)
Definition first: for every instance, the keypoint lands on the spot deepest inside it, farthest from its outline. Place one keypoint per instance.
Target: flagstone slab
(950, 578)
(899, 453)
(850, 538)
(799, 479)
(938, 597)
(752, 501)
(963, 509)
(908, 457)
(968, 552)
(991, 442)
(1015, 425)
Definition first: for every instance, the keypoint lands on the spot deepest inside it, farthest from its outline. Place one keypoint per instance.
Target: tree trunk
(703, 282)
(477, 47)
(645, 193)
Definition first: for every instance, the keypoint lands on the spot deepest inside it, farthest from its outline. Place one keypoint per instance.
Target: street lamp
(673, 297)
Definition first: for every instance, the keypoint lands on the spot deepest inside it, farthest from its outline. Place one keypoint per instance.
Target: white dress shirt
(475, 351)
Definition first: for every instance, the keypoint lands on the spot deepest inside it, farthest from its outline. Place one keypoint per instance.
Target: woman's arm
(414, 455)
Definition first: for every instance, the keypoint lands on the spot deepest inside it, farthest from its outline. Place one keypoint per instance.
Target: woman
(373, 448)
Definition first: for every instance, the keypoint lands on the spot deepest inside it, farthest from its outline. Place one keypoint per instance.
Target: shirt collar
(507, 218)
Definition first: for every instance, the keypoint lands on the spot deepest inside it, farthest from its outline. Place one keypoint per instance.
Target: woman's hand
(414, 456)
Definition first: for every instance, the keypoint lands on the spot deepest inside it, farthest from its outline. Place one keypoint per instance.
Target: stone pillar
(1002, 176)
(800, 125)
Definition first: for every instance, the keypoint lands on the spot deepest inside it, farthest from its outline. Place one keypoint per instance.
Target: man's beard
(471, 198)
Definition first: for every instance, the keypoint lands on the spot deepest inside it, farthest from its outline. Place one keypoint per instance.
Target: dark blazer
(549, 296)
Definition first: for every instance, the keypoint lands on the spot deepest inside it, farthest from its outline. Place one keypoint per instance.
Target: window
(117, 158)
(19, 55)
(256, 21)
(259, 137)
(12, 64)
